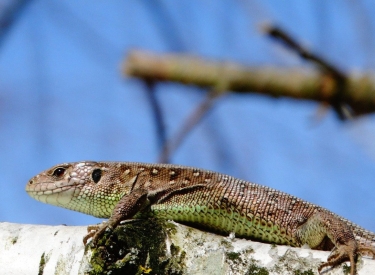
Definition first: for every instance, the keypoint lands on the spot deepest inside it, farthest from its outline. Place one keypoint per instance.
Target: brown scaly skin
(124, 190)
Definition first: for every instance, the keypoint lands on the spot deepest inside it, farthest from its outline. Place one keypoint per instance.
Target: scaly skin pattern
(220, 203)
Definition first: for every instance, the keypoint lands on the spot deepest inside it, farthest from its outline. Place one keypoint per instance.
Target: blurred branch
(156, 109)
(279, 34)
(339, 76)
(358, 91)
(10, 12)
(195, 117)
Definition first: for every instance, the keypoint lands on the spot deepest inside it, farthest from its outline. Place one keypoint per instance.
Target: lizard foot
(95, 232)
(341, 254)
(366, 250)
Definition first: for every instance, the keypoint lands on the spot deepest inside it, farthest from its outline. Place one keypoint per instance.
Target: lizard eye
(96, 175)
(59, 172)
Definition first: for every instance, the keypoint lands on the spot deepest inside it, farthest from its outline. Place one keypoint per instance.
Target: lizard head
(89, 187)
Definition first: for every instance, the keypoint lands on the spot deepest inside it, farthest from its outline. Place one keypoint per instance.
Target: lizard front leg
(323, 224)
(126, 208)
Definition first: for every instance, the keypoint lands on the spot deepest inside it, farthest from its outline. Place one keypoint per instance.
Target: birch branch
(164, 248)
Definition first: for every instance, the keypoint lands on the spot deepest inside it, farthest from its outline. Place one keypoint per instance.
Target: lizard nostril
(31, 182)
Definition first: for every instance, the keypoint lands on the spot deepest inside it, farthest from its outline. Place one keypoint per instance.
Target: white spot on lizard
(126, 172)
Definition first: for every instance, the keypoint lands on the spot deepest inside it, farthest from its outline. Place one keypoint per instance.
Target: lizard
(122, 191)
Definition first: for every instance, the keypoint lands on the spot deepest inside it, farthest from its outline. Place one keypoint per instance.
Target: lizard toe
(89, 235)
(93, 228)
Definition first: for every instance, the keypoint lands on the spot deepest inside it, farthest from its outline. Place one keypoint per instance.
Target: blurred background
(64, 98)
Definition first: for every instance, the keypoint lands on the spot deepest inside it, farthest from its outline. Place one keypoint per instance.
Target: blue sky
(63, 98)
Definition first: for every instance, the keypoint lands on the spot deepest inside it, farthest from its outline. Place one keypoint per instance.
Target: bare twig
(338, 100)
(192, 121)
(359, 91)
(155, 106)
(289, 41)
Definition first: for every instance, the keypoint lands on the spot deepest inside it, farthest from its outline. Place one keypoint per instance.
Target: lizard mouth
(56, 193)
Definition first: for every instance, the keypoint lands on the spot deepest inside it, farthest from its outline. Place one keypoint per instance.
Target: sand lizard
(125, 190)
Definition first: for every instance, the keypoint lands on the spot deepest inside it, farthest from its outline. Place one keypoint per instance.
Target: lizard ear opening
(96, 175)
